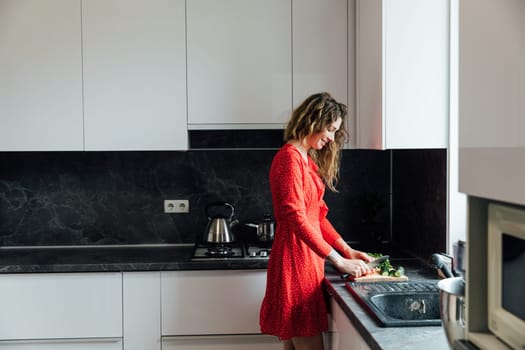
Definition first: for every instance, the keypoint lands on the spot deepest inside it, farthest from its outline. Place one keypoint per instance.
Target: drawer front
(231, 342)
(211, 302)
(76, 344)
(43, 306)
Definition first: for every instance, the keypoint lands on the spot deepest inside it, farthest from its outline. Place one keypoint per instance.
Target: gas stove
(258, 250)
(236, 251)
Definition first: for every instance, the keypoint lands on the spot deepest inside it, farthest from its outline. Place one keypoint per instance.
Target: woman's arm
(348, 252)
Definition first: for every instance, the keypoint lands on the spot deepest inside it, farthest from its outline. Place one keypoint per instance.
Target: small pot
(452, 308)
(265, 229)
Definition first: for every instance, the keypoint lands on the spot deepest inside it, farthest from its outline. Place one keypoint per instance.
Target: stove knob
(263, 253)
(253, 254)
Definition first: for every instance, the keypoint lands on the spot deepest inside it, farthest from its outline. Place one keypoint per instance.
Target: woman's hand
(352, 261)
(357, 254)
(355, 267)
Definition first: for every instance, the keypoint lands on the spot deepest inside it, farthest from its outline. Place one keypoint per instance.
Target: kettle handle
(217, 204)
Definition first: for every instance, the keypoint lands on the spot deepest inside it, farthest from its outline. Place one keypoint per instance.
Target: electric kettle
(220, 223)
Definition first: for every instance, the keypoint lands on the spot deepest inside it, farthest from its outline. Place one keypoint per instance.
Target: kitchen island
(151, 264)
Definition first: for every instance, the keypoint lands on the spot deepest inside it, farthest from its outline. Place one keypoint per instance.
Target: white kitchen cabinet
(492, 99)
(141, 307)
(78, 308)
(320, 49)
(343, 333)
(402, 73)
(239, 63)
(206, 297)
(323, 52)
(66, 344)
(224, 342)
(351, 73)
(213, 310)
(134, 61)
(40, 75)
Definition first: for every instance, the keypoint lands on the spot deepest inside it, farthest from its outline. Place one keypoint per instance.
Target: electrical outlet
(176, 206)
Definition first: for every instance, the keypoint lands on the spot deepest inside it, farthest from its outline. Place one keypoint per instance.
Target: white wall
(457, 202)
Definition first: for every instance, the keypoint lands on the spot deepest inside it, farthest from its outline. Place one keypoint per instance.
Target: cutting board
(377, 277)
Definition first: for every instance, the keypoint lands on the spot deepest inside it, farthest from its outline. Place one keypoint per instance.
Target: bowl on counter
(452, 308)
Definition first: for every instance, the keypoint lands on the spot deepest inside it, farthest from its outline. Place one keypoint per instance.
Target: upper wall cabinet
(402, 73)
(492, 99)
(40, 75)
(134, 59)
(239, 63)
(320, 44)
(321, 48)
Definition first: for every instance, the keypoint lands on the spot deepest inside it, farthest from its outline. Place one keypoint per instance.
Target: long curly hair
(315, 114)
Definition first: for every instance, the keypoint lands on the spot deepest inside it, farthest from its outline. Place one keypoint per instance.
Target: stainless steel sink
(399, 304)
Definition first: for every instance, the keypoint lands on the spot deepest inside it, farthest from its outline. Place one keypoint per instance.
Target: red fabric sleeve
(287, 182)
(329, 232)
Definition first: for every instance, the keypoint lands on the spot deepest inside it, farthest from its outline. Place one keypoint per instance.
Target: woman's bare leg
(288, 345)
(314, 342)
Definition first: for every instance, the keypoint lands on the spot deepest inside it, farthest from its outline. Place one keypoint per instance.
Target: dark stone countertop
(388, 338)
(114, 259)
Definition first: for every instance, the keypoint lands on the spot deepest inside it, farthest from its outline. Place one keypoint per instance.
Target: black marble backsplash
(88, 198)
(419, 201)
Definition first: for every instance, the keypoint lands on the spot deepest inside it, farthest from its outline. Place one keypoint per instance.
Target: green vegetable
(386, 268)
(400, 271)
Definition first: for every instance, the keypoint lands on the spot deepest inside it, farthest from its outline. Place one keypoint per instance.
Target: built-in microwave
(506, 274)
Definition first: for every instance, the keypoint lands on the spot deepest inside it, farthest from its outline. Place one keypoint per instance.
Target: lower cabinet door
(63, 344)
(344, 335)
(211, 302)
(61, 306)
(222, 342)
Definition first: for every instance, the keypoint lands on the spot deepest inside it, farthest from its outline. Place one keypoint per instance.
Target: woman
(293, 307)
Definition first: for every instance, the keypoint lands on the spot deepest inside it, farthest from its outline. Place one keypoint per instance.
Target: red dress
(294, 303)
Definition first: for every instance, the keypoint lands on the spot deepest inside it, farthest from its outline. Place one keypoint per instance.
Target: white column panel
(141, 300)
(492, 99)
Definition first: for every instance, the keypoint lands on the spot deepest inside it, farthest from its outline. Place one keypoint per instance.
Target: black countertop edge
(386, 338)
(119, 259)
(133, 267)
